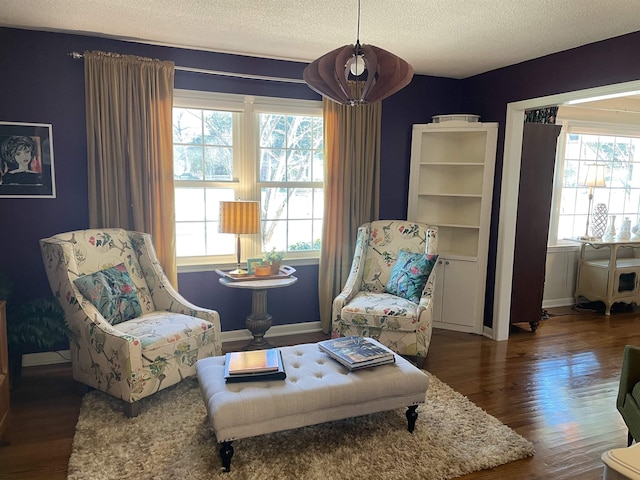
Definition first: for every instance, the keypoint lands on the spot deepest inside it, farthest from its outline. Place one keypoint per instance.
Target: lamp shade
(340, 76)
(594, 176)
(239, 217)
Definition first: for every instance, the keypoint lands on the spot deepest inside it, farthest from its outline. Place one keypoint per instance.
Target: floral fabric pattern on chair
(365, 308)
(140, 356)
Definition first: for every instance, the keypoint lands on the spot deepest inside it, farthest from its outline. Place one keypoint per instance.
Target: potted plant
(274, 259)
(34, 326)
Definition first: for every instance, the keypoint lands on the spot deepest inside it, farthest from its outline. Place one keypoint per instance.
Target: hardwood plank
(556, 387)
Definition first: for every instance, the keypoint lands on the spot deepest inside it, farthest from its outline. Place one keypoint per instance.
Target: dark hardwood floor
(556, 387)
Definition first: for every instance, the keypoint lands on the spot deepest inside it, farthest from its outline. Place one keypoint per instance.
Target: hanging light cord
(358, 28)
(356, 52)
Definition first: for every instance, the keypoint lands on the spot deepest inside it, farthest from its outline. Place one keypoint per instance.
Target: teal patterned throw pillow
(112, 292)
(409, 274)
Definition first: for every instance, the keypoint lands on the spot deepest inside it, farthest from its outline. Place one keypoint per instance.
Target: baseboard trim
(275, 331)
(64, 356)
(46, 358)
(559, 302)
(487, 332)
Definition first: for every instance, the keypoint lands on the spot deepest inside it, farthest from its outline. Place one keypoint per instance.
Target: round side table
(259, 321)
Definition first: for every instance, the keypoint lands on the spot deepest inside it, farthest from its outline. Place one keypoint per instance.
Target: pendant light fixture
(357, 74)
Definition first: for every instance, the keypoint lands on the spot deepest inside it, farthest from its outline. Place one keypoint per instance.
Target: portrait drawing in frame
(26, 160)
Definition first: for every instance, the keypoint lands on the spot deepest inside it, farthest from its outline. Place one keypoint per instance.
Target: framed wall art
(26, 160)
(252, 263)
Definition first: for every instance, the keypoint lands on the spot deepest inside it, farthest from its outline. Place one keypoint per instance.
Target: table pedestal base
(259, 321)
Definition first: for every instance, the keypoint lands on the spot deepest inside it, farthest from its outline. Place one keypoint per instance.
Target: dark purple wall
(594, 65)
(40, 83)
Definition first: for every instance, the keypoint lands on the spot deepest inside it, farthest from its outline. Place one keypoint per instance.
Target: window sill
(210, 267)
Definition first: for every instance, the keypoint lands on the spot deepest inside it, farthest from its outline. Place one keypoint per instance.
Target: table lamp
(239, 217)
(593, 178)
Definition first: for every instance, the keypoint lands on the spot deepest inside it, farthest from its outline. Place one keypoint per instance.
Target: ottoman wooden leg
(226, 452)
(412, 416)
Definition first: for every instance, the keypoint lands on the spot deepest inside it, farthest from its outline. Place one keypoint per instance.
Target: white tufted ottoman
(317, 389)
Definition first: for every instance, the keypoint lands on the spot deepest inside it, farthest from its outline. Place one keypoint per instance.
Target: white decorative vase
(610, 236)
(625, 230)
(599, 220)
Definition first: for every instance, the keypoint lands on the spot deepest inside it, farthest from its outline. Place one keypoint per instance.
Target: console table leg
(412, 416)
(226, 452)
(259, 321)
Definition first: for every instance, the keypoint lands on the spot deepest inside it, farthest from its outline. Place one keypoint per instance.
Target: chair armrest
(353, 283)
(427, 292)
(165, 296)
(630, 374)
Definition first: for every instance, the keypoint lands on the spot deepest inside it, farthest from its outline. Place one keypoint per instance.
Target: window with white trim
(580, 145)
(234, 147)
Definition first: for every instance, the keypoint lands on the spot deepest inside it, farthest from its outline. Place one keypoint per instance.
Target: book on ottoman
(256, 365)
(356, 352)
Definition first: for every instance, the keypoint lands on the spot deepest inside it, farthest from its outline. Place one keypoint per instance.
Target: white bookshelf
(451, 186)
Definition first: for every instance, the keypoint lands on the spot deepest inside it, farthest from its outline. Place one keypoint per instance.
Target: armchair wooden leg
(131, 409)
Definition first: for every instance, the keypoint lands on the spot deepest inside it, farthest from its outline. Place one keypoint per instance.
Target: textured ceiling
(448, 38)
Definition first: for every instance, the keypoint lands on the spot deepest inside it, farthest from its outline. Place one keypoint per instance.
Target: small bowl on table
(262, 270)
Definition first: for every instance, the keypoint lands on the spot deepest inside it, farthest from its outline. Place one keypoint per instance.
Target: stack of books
(356, 352)
(256, 365)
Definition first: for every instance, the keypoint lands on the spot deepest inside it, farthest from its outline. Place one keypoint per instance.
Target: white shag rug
(171, 439)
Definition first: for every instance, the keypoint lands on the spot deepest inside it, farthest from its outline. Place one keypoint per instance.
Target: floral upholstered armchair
(388, 294)
(130, 333)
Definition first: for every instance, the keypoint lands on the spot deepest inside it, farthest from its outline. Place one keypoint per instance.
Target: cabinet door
(532, 224)
(456, 300)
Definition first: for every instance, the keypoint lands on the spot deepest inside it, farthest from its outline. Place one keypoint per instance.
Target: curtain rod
(76, 55)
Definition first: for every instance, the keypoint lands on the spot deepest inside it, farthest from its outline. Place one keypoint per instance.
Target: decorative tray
(285, 271)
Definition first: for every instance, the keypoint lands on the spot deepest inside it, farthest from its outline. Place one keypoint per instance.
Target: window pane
(318, 203)
(274, 235)
(621, 194)
(299, 132)
(274, 203)
(218, 128)
(187, 125)
(299, 166)
(197, 215)
(187, 162)
(219, 243)
(203, 145)
(589, 149)
(300, 235)
(214, 197)
(273, 131)
(273, 165)
(189, 204)
(301, 204)
(190, 239)
(570, 177)
(318, 167)
(218, 162)
(286, 154)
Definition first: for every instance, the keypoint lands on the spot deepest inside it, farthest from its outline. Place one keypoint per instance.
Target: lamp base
(239, 271)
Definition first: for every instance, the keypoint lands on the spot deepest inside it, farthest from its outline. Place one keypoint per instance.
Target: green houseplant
(34, 326)
(273, 258)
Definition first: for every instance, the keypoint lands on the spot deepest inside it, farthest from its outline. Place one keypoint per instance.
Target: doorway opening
(510, 188)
